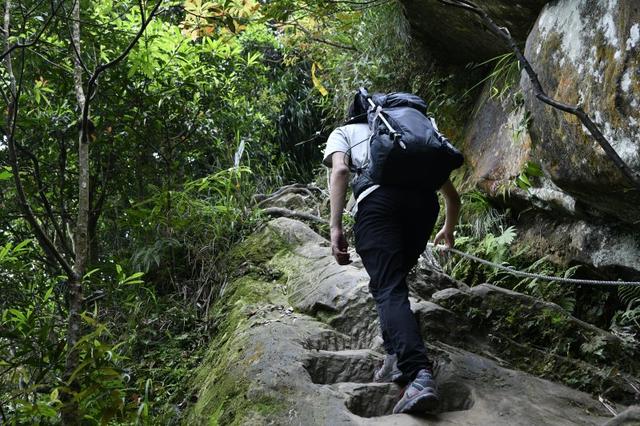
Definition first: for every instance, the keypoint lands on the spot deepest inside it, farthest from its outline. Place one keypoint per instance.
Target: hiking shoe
(421, 396)
(389, 371)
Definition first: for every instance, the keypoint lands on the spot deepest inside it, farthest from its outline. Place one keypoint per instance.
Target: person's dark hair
(357, 110)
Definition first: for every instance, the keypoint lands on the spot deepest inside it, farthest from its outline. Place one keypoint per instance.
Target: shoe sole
(392, 377)
(421, 404)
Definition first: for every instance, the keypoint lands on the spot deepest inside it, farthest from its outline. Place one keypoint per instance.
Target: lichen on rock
(585, 53)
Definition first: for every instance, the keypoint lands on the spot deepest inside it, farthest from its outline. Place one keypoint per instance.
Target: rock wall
(588, 53)
(585, 52)
(497, 143)
(457, 36)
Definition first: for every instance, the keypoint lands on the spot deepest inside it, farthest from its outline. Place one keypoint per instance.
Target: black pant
(392, 228)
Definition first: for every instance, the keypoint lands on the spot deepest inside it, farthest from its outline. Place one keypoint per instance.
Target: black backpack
(405, 148)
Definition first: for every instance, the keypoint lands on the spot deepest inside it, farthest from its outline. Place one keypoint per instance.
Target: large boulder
(629, 417)
(583, 211)
(498, 148)
(610, 249)
(456, 36)
(588, 53)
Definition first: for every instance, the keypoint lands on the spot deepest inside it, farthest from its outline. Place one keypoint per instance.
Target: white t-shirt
(352, 139)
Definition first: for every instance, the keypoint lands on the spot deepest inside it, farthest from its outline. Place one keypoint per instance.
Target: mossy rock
(258, 369)
(223, 389)
(543, 339)
(257, 249)
(222, 396)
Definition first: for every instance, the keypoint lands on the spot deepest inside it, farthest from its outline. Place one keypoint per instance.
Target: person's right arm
(452, 211)
(339, 181)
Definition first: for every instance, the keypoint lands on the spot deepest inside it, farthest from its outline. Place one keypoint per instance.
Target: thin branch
(35, 7)
(134, 41)
(4, 417)
(576, 110)
(116, 18)
(49, 61)
(321, 40)
(78, 65)
(45, 201)
(74, 30)
(101, 68)
(355, 3)
(34, 40)
(7, 57)
(41, 236)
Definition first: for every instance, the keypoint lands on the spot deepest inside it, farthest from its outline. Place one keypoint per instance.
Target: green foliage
(385, 59)
(559, 293)
(493, 247)
(626, 322)
(102, 381)
(204, 112)
(629, 295)
(504, 74)
(218, 100)
(531, 170)
(484, 232)
(198, 225)
(32, 347)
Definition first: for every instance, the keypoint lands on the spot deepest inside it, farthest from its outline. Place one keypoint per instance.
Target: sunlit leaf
(316, 81)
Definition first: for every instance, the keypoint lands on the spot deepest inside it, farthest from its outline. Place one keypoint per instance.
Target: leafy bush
(183, 236)
(484, 233)
(32, 347)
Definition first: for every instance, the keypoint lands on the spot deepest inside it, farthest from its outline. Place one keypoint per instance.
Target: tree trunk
(70, 413)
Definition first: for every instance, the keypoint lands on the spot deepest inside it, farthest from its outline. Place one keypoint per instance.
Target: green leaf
(22, 246)
(48, 294)
(46, 410)
(91, 272)
(5, 173)
(316, 81)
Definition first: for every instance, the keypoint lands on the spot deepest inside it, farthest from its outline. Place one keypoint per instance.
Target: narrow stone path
(313, 363)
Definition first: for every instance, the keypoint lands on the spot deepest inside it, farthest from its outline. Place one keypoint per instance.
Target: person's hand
(339, 246)
(445, 234)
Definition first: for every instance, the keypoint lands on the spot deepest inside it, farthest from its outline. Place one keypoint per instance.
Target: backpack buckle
(396, 139)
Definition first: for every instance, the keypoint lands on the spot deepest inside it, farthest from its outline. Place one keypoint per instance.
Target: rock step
(354, 365)
(329, 340)
(378, 399)
(369, 399)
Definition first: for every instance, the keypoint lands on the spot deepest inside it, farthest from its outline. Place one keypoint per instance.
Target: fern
(507, 237)
(629, 295)
(484, 233)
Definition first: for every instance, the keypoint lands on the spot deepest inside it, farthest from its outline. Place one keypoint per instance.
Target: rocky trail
(296, 337)
(298, 342)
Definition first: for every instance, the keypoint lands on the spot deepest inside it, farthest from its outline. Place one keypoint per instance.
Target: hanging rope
(518, 273)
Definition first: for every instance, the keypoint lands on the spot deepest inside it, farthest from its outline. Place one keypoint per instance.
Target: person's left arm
(452, 211)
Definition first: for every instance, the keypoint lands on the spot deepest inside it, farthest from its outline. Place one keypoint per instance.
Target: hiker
(392, 226)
